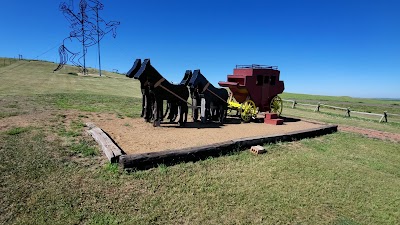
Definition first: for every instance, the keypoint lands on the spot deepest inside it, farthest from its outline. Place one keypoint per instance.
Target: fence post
(384, 117)
(348, 111)
(317, 108)
(294, 104)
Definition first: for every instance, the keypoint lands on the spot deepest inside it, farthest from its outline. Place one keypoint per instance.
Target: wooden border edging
(171, 157)
(110, 149)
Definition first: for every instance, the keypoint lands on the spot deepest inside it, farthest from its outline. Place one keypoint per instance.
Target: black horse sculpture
(172, 107)
(216, 98)
(186, 78)
(146, 98)
(160, 89)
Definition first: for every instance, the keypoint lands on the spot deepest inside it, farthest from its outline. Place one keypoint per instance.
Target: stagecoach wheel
(248, 110)
(276, 105)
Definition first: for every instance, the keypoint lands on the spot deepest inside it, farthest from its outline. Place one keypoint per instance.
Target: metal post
(195, 111)
(203, 110)
(98, 39)
(317, 108)
(384, 117)
(83, 40)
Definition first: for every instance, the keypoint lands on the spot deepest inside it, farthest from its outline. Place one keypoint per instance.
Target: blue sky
(342, 48)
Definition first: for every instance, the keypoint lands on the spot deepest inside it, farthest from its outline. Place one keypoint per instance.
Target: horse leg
(143, 102)
(213, 112)
(154, 113)
(152, 106)
(148, 108)
(144, 108)
(174, 111)
(195, 110)
(161, 110)
(183, 110)
(168, 109)
(221, 114)
(186, 111)
(157, 113)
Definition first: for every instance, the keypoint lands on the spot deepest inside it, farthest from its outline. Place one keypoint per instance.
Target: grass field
(355, 104)
(51, 173)
(339, 116)
(6, 61)
(35, 77)
(340, 119)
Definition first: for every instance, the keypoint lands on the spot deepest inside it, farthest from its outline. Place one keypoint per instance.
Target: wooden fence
(383, 117)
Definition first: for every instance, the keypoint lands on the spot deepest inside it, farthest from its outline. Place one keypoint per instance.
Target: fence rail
(383, 116)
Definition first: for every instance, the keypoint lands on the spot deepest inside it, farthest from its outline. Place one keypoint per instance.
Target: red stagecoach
(254, 88)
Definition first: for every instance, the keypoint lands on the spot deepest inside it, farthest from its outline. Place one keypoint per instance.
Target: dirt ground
(371, 133)
(137, 136)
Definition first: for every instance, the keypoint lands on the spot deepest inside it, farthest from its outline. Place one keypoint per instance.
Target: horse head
(198, 81)
(135, 68)
(187, 77)
(148, 73)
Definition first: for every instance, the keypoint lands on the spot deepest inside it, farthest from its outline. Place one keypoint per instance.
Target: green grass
(339, 116)
(322, 98)
(355, 104)
(336, 179)
(36, 77)
(4, 62)
(16, 130)
(52, 173)
(85, 149)
(120, 105)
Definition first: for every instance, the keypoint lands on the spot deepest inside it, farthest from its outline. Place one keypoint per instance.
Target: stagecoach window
(266, 79)
(260, 79)
(273, 80)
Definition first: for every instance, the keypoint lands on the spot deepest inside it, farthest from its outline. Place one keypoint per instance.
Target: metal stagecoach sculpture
(254, 88)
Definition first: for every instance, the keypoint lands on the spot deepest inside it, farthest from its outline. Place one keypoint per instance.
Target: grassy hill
(36, 77)
(35, 81)
(51, 173)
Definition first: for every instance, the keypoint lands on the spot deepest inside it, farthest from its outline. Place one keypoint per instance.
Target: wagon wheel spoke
(248, 110)
(229, 111)
(276, 105)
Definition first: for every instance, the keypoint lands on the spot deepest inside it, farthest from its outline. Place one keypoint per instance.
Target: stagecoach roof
(256, 66)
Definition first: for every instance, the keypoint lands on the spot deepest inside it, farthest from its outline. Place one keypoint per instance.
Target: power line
(37, 57)
(22, 64)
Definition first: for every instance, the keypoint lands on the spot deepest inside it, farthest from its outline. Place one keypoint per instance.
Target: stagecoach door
(263, 81)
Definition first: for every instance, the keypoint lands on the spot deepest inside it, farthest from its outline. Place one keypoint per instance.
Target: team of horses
(156, 89)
